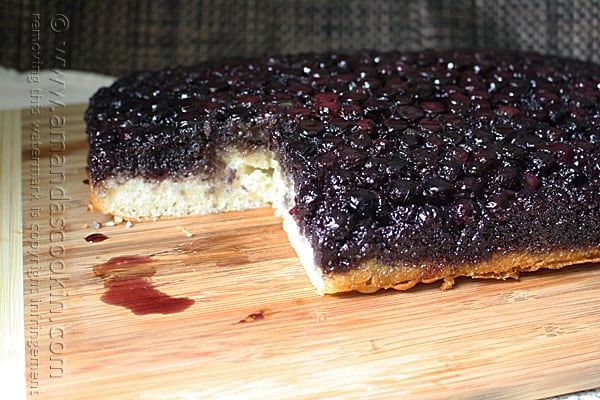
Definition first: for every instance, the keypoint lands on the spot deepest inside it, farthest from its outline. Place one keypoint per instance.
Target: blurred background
(117, 37)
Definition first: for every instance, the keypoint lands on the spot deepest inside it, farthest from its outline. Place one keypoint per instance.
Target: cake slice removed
(388, 169)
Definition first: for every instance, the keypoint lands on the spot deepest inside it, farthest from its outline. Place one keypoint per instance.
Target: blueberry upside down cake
(388, 169)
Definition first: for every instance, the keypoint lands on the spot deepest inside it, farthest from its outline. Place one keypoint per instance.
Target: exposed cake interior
(245, 181)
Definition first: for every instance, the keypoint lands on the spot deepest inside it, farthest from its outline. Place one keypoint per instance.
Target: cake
(388, 169)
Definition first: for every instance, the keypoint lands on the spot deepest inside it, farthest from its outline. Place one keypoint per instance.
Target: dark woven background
(117, 37)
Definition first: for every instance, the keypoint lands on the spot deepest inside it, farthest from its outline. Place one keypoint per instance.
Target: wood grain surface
(12, 352)
(257, 330)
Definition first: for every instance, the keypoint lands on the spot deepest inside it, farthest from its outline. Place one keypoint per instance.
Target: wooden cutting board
(256, 329)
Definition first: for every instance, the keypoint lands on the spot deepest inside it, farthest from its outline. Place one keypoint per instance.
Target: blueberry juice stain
(128, 283)
(96, 237)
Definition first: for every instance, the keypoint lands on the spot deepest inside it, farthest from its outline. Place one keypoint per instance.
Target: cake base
(372, 275)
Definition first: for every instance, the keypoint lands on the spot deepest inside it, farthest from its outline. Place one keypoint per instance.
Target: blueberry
(363, 201)
(433, 107)
(395, 125)
(563, 152)
(430, 125)
(486, 157)
(350, 157)
(459, 100)
(326, 160)
(359, 140)
(496, 205)
(351, 112)
(403, 213)
(468, 187)
(428, 214)
(462, 211)
(338, 125)
(382, 145)
(365, 125)
(424, 158)
(311, 127)
(508, 178)
(508, 111)
(531, 181)
(330, 142)
(403, 191)
(328, 108)
(308, 197)
(336, 223)
(325, 97)
(338, 180)
(542, 161)
(409, 113)
(450, 170)
(437, 186)
(458, 153)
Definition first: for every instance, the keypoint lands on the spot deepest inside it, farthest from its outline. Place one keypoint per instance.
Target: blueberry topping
(442, 156)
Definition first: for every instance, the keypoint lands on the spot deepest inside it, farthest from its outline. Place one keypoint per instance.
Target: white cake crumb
(185, 231)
